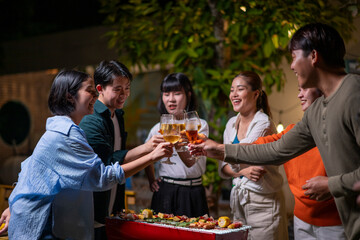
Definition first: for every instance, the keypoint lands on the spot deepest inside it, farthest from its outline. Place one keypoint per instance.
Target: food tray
(117, 229)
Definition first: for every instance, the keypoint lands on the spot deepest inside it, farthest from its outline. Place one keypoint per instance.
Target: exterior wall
(31, 89)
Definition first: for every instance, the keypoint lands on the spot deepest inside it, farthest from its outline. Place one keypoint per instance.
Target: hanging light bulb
(280, 127)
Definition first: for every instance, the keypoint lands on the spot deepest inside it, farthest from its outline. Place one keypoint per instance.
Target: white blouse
(180, 170)
(260, 126)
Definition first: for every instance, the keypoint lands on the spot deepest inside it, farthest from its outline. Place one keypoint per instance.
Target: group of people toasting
(74, 178)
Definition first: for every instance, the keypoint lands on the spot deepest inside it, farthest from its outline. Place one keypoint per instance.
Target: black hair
(64, 89)
(254, 80)
(177, 82)
(322, 38)
(108, 70)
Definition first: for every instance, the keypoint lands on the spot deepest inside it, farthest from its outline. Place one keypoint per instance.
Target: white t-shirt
(117, 146)
(180, 170)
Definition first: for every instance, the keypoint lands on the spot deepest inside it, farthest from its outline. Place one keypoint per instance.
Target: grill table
(120, 229)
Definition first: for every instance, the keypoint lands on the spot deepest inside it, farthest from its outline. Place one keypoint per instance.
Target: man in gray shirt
(332, 122)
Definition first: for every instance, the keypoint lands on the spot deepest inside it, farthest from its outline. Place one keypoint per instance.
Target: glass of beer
(165, 119)
(180, 120)
(192, 126)
(170, 131)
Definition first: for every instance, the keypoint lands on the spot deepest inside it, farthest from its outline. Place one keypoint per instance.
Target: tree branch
(219, 34)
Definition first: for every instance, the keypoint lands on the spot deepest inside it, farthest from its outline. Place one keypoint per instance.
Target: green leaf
(275, 40)
(169, 23)
(213, 73)
(191, 53)
(174, 55)
(180, 60)
(199, 75)
(268, 48)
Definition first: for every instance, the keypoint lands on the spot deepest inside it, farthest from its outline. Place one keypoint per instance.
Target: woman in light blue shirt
(53, 196)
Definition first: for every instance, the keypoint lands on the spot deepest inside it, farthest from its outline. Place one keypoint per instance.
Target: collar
(61, 124)
(100, 108)
(328, 99)
(259, 115)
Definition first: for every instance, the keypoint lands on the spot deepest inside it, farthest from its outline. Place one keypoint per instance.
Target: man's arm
(208, 148)
(274, 137)
(317, 188)
(297, 141)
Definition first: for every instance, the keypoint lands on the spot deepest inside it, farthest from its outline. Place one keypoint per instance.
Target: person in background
(312, 219)
(256, 198)
(105, 132)
(179, 189)
(331, 123)
(53, 195)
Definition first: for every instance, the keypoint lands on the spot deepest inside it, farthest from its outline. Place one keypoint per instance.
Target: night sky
(27, 18)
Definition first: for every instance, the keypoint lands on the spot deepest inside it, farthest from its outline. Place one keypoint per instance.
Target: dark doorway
(14, 122)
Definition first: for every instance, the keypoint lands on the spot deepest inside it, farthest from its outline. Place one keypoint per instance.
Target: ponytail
(263, 103)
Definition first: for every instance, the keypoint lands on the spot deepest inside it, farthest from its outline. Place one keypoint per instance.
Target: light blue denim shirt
(59, 177)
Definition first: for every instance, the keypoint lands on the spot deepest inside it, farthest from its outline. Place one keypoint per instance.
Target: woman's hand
(154, 142)
(5, 218)
(164, 149)
(154, 186)
(254, 173)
